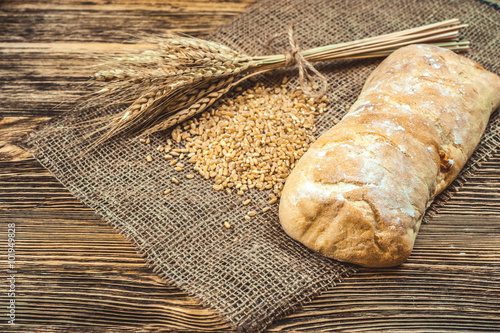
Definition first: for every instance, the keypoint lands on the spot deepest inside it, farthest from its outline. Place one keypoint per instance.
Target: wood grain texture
(74, 273)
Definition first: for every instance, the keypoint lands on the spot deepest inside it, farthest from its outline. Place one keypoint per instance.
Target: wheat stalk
(185, 76)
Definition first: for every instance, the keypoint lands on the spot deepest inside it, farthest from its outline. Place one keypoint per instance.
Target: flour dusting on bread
(360, 192)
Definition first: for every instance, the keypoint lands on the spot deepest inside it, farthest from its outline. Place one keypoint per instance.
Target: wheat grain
(252, 140)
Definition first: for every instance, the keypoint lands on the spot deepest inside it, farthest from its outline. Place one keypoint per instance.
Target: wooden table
(73, 272)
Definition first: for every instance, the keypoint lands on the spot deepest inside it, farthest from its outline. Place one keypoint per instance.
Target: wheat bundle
(185, 75)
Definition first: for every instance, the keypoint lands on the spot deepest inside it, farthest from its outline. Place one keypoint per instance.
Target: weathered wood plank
(75, 257)
(108, 21)
(74, 270)
(24, 182)
(46, 49)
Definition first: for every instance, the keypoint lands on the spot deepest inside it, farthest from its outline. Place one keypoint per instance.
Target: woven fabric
(264, 274)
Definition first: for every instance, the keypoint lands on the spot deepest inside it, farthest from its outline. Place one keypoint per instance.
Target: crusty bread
(359, 193)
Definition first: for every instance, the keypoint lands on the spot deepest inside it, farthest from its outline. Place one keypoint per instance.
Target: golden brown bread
(359, 193)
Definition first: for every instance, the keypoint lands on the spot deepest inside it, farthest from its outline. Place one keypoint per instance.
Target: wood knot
(446, 162)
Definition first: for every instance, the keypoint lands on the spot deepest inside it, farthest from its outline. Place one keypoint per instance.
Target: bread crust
(359, 193)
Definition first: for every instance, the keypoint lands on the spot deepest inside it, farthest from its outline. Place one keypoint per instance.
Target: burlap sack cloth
(265, 274)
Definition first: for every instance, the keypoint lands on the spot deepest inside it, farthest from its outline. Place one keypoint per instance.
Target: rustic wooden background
(74, 273)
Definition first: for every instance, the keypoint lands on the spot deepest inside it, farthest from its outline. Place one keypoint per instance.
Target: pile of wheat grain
(250, 141)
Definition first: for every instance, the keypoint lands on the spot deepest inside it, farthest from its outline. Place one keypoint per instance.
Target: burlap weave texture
(264, 274)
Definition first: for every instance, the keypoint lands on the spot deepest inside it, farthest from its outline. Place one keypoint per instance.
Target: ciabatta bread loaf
(360, 191)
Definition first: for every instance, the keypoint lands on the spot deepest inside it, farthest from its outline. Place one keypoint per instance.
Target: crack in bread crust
(379, 164)
(397, 102)
(385, 139)
(377, 219)
(342, 181)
